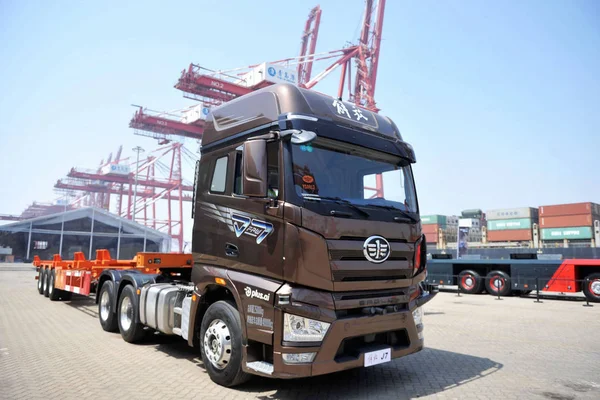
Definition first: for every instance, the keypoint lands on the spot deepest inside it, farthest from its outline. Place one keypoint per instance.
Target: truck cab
(307, 241)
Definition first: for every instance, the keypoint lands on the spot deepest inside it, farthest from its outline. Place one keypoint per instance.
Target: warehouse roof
(47, 223)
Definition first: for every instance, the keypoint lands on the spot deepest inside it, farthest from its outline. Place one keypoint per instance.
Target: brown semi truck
(308, 256)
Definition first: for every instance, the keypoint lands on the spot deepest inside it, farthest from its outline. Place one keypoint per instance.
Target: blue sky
(501, 100)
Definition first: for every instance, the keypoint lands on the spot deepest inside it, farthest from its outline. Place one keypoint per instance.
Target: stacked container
(573, 221)
(431, 225)
(511, 224)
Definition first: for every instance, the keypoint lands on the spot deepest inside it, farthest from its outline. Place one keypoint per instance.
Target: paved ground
(478, 348)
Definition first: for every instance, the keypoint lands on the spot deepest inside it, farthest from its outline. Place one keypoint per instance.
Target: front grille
(358, 255)
(351, 348)
(368, 294)
(366, 276)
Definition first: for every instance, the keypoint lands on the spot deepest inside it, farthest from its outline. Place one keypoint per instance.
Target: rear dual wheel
(106, 312)
(498, 283)
(591, 287)
(470, 282)
(127, 316)
(40, 283)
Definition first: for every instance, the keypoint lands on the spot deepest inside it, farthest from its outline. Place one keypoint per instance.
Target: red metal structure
(309, 44)
(159, 182)
(162, 125)
(207, 85)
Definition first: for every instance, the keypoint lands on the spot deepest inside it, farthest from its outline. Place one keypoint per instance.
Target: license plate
(378, 357)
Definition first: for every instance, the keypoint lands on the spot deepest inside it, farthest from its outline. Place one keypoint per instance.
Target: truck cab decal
(251, 227)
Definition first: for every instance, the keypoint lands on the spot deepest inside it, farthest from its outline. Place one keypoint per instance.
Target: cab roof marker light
(298, 116)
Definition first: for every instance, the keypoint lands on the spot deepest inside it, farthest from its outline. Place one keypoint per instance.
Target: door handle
(231, 250)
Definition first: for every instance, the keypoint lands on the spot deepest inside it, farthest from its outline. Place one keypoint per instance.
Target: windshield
(335, 170)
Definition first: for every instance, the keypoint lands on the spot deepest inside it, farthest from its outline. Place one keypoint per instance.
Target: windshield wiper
(338, 200)
(388, 207)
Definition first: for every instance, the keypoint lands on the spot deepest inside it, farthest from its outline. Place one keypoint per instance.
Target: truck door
(242, 233)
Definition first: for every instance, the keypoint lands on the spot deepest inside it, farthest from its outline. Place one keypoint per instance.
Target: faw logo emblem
(376, 249)
(251, 227)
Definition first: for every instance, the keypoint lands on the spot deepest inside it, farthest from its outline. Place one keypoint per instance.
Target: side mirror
(254, 169)
(298, 136)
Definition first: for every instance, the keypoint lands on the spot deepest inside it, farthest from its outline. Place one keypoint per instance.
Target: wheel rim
(45, 281)
(105, 306)
(40, 278)
(51, 284)
(217, 344)
(126, 313)
(468, 282)
(497, 283)
(595, 287)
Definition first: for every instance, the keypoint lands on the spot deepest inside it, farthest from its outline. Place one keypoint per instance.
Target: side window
(219, 178)
(273, 169)
(237, 183)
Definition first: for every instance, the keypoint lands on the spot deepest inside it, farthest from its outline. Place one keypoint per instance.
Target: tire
(40, 285)
(53, 293)
(106, 310)
(127, 315)
(591, 287)
(498, 283)
(46, 282)
(470, 282)
(222, 357)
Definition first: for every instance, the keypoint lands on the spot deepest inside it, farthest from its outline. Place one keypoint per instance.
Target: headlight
(418, 315)
(300, 329)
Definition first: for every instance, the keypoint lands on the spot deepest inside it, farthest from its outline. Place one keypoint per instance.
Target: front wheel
(221, 344)
(131, 331)
(591, 288)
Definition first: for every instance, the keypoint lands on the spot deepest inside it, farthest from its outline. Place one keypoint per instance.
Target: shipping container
(511, 213)
(472, 213)
(115, 169)
(432, 228)
(580, 232)
(511, 235)
(433, 219)
(565, 221)
(273, 73)
(569, 209)
(431, 238)
(509, 224)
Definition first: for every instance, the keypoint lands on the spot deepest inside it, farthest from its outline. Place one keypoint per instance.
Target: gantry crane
(171, 187)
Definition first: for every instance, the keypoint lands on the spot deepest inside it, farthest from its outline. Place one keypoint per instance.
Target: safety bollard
(537, 290)
(587, 301)
(498, 291)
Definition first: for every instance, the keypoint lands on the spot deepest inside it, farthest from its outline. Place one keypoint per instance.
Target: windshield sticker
(352, 112)
(308, 183)
(251, 227)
